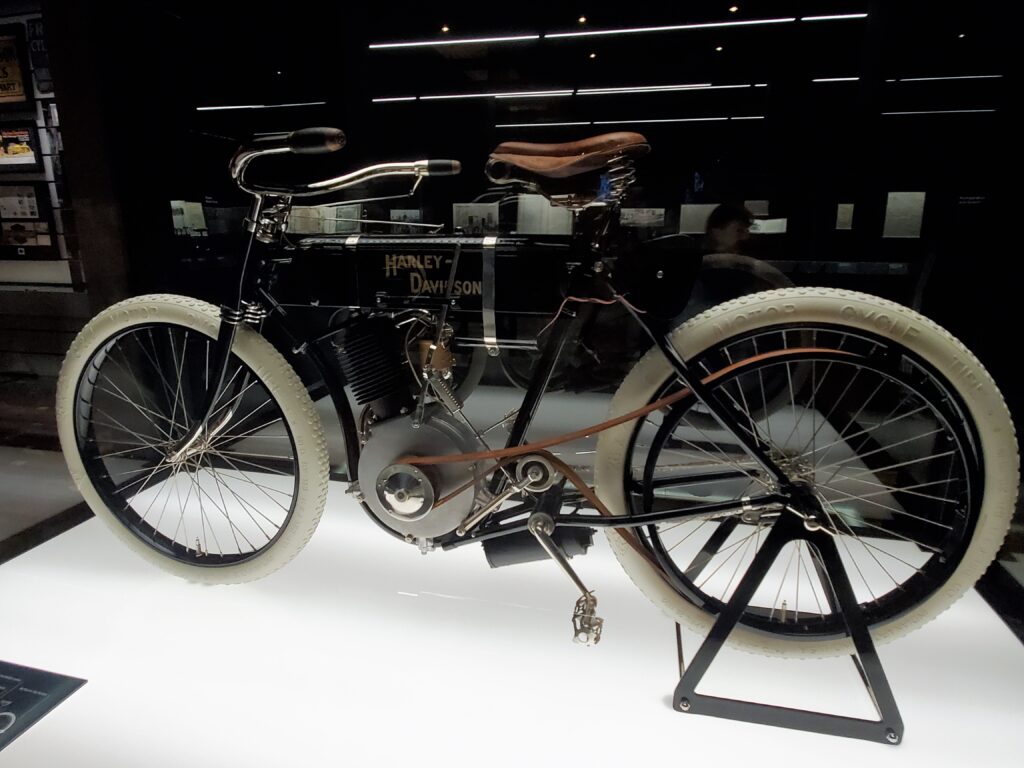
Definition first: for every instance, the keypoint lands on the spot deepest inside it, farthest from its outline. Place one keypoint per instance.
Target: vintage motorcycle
(196, 439)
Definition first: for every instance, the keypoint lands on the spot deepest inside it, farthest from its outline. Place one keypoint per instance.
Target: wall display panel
(642, 217)
(844, 216)
(475, 218)
(402, 215)
(537, 216)
(693, 217)
(904, 212)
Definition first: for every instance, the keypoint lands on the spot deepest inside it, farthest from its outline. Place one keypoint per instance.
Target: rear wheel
(899, 433)
(235, 504)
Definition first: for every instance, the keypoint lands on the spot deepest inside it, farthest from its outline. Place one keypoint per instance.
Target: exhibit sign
(26, 694)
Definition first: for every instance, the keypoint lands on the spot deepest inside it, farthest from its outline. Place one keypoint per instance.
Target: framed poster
(19, 148)
(15, 90)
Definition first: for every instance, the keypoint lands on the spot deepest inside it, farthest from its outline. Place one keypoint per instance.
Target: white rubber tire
(280, 380)
(858, 311)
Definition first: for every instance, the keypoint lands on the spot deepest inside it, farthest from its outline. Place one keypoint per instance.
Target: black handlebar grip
(315, 141)
(443, 167)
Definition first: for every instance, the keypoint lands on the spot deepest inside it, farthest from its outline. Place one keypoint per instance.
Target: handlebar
(319, 141)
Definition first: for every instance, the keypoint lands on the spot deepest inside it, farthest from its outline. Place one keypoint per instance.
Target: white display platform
(362, 652)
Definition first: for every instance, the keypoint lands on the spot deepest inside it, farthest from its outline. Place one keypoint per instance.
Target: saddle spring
(620, 176)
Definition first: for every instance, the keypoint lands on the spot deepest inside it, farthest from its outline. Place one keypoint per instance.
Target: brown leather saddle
(541, 164)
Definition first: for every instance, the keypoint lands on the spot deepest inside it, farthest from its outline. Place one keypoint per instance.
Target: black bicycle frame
(252, 292)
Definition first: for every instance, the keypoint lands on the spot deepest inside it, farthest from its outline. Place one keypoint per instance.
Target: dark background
(129, 78)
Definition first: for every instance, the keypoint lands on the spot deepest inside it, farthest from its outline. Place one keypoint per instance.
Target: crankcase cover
(404, 496)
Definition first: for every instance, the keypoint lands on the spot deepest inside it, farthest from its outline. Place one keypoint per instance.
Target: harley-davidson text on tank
(419, 267)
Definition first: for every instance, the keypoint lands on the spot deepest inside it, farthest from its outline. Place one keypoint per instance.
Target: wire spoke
(860, 456)
(148, 414)
(910, 490)
(886, 507)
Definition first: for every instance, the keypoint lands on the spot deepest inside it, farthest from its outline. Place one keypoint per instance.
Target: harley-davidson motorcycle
(195, 438)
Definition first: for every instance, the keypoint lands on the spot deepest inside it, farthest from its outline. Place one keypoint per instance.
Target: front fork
(266, 220)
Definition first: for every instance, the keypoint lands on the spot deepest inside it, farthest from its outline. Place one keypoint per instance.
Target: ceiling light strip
(534, 94)
(668, 28)
(498, 95)
(455, 41)
(835, 17)
(624, 122)
(939, 112)
(539, 125)
(663, 120)
(641, 88)
(657, 89)
(609, 91)
(261, 106)
(835, 79)
(949, 77)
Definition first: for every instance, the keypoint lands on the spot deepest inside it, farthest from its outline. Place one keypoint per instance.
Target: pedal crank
(586, 624)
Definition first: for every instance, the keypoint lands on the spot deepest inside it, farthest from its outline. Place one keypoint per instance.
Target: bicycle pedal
(586, 624)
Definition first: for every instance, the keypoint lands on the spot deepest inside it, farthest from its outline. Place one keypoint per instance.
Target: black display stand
(888, 729)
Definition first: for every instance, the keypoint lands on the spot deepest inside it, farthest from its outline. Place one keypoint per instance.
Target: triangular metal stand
(888, 729)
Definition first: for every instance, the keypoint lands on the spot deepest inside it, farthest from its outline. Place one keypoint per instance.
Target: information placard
(26, 694)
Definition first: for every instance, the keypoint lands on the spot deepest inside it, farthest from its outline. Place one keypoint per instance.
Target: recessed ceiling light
(593, 56)
(582, 19)
(733, 8)
(961, 36)
(445, 28)
(718, 48)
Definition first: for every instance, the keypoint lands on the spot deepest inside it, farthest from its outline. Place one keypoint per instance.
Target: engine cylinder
(369, 351)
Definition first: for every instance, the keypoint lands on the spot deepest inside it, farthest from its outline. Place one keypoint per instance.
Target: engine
(405, 497)
(400, 370)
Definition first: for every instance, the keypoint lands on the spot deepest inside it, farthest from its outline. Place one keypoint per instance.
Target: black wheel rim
(887, 446)
(222, 503)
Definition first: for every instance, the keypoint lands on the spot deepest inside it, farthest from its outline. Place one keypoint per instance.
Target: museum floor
(364, 652)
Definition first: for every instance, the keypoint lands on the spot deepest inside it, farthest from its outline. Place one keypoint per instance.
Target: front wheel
(231, 506)
(893, 426)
